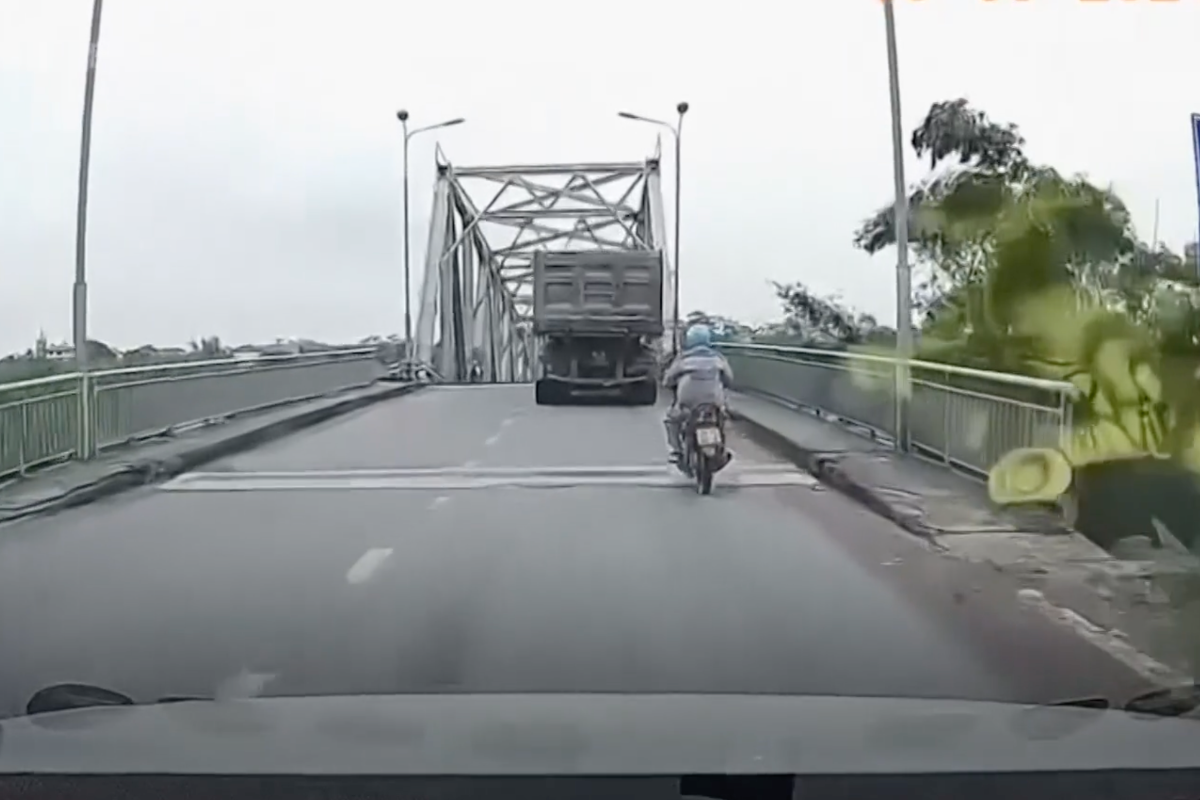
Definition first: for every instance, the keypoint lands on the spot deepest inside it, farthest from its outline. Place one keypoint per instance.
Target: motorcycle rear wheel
(703, 474)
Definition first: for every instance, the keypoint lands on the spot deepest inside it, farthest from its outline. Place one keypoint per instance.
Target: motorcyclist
(700, 374)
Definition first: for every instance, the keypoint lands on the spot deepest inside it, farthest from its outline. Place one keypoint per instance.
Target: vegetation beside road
(1001, 247)
(1022, 269)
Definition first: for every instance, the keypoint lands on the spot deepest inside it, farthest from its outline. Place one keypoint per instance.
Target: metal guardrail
(60, 417)
(965, 418)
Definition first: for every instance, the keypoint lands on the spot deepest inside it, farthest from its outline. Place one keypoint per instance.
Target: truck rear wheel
(545, 393)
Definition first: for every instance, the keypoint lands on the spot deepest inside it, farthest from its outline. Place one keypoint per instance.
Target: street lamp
(676, 131)
(903, 273)
(79, 294)
(402, 115)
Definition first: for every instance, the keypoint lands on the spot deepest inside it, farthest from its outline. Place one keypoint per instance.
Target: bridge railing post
(85, 448)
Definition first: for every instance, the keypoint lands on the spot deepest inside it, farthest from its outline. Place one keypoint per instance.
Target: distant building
(54, 352)
(57, 352)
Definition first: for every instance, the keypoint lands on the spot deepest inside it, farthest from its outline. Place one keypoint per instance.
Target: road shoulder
(1122, 606)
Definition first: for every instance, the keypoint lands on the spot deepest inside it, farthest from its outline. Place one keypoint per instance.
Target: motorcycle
(704, 445)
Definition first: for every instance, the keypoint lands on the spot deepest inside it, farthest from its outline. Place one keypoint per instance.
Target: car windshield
(811, 352)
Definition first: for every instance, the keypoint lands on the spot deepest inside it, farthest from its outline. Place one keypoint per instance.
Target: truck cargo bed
(597, 293)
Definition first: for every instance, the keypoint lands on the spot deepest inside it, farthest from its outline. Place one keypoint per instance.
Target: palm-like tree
(992, 232)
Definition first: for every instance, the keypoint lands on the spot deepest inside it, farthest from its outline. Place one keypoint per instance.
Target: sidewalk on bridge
(1125, 602)
(76, 483)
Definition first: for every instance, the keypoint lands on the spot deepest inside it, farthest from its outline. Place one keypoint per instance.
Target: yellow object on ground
(1029, 475)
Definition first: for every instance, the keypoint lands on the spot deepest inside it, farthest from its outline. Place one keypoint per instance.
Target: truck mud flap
(551, 393)
(639, 393)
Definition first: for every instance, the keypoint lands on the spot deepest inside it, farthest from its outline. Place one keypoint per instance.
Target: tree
(969, 156)
(1161, 290)
(812, 318)
(100, 353)
(723, 328)
(948, 274)
(990, 230)
(1028, 270)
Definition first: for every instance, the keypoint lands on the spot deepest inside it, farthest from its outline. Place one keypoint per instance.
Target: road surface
(464, 539)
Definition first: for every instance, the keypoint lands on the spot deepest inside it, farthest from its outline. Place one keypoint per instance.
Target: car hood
(589, 734)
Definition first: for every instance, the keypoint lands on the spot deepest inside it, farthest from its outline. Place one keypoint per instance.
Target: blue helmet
(698, 335)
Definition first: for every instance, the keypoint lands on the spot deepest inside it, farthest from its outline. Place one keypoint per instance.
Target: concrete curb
(143, 470)
(822, 464)
(829, 467)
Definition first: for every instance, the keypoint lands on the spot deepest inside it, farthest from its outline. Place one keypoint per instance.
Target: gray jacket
(699, 375)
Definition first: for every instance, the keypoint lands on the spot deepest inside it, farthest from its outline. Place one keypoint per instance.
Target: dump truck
(598, 320)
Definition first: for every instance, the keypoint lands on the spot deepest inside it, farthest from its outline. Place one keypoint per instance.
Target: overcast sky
(246, 158)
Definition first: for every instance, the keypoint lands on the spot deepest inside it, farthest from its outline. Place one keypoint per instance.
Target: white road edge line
(1109, 641)
(366, 565)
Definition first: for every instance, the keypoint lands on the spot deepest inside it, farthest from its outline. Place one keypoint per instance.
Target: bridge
(331, 527)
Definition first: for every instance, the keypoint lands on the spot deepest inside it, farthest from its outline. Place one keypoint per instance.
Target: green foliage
(815, 320)
(994, 236)
(724, 329)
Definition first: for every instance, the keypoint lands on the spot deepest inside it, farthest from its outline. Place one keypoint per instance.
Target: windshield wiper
(68, 696)
(1172, 702)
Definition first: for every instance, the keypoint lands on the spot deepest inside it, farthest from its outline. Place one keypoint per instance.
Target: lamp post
(402, 115)
(904, 343)
(676, 131)
(79, 302)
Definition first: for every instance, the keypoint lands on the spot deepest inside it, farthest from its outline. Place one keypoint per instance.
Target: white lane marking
(440, 500)
(470, 469)
(366, 565)
(495, 437)
(449, 482)
(1111, 642)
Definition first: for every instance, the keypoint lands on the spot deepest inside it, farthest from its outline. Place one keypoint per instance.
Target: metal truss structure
(476, 297)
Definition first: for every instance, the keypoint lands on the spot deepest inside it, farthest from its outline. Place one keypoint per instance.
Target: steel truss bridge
(476, 300)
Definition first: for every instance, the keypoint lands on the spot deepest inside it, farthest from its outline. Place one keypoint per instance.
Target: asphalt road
(584, 567)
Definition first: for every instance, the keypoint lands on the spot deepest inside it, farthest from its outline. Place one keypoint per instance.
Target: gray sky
(246, 160)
